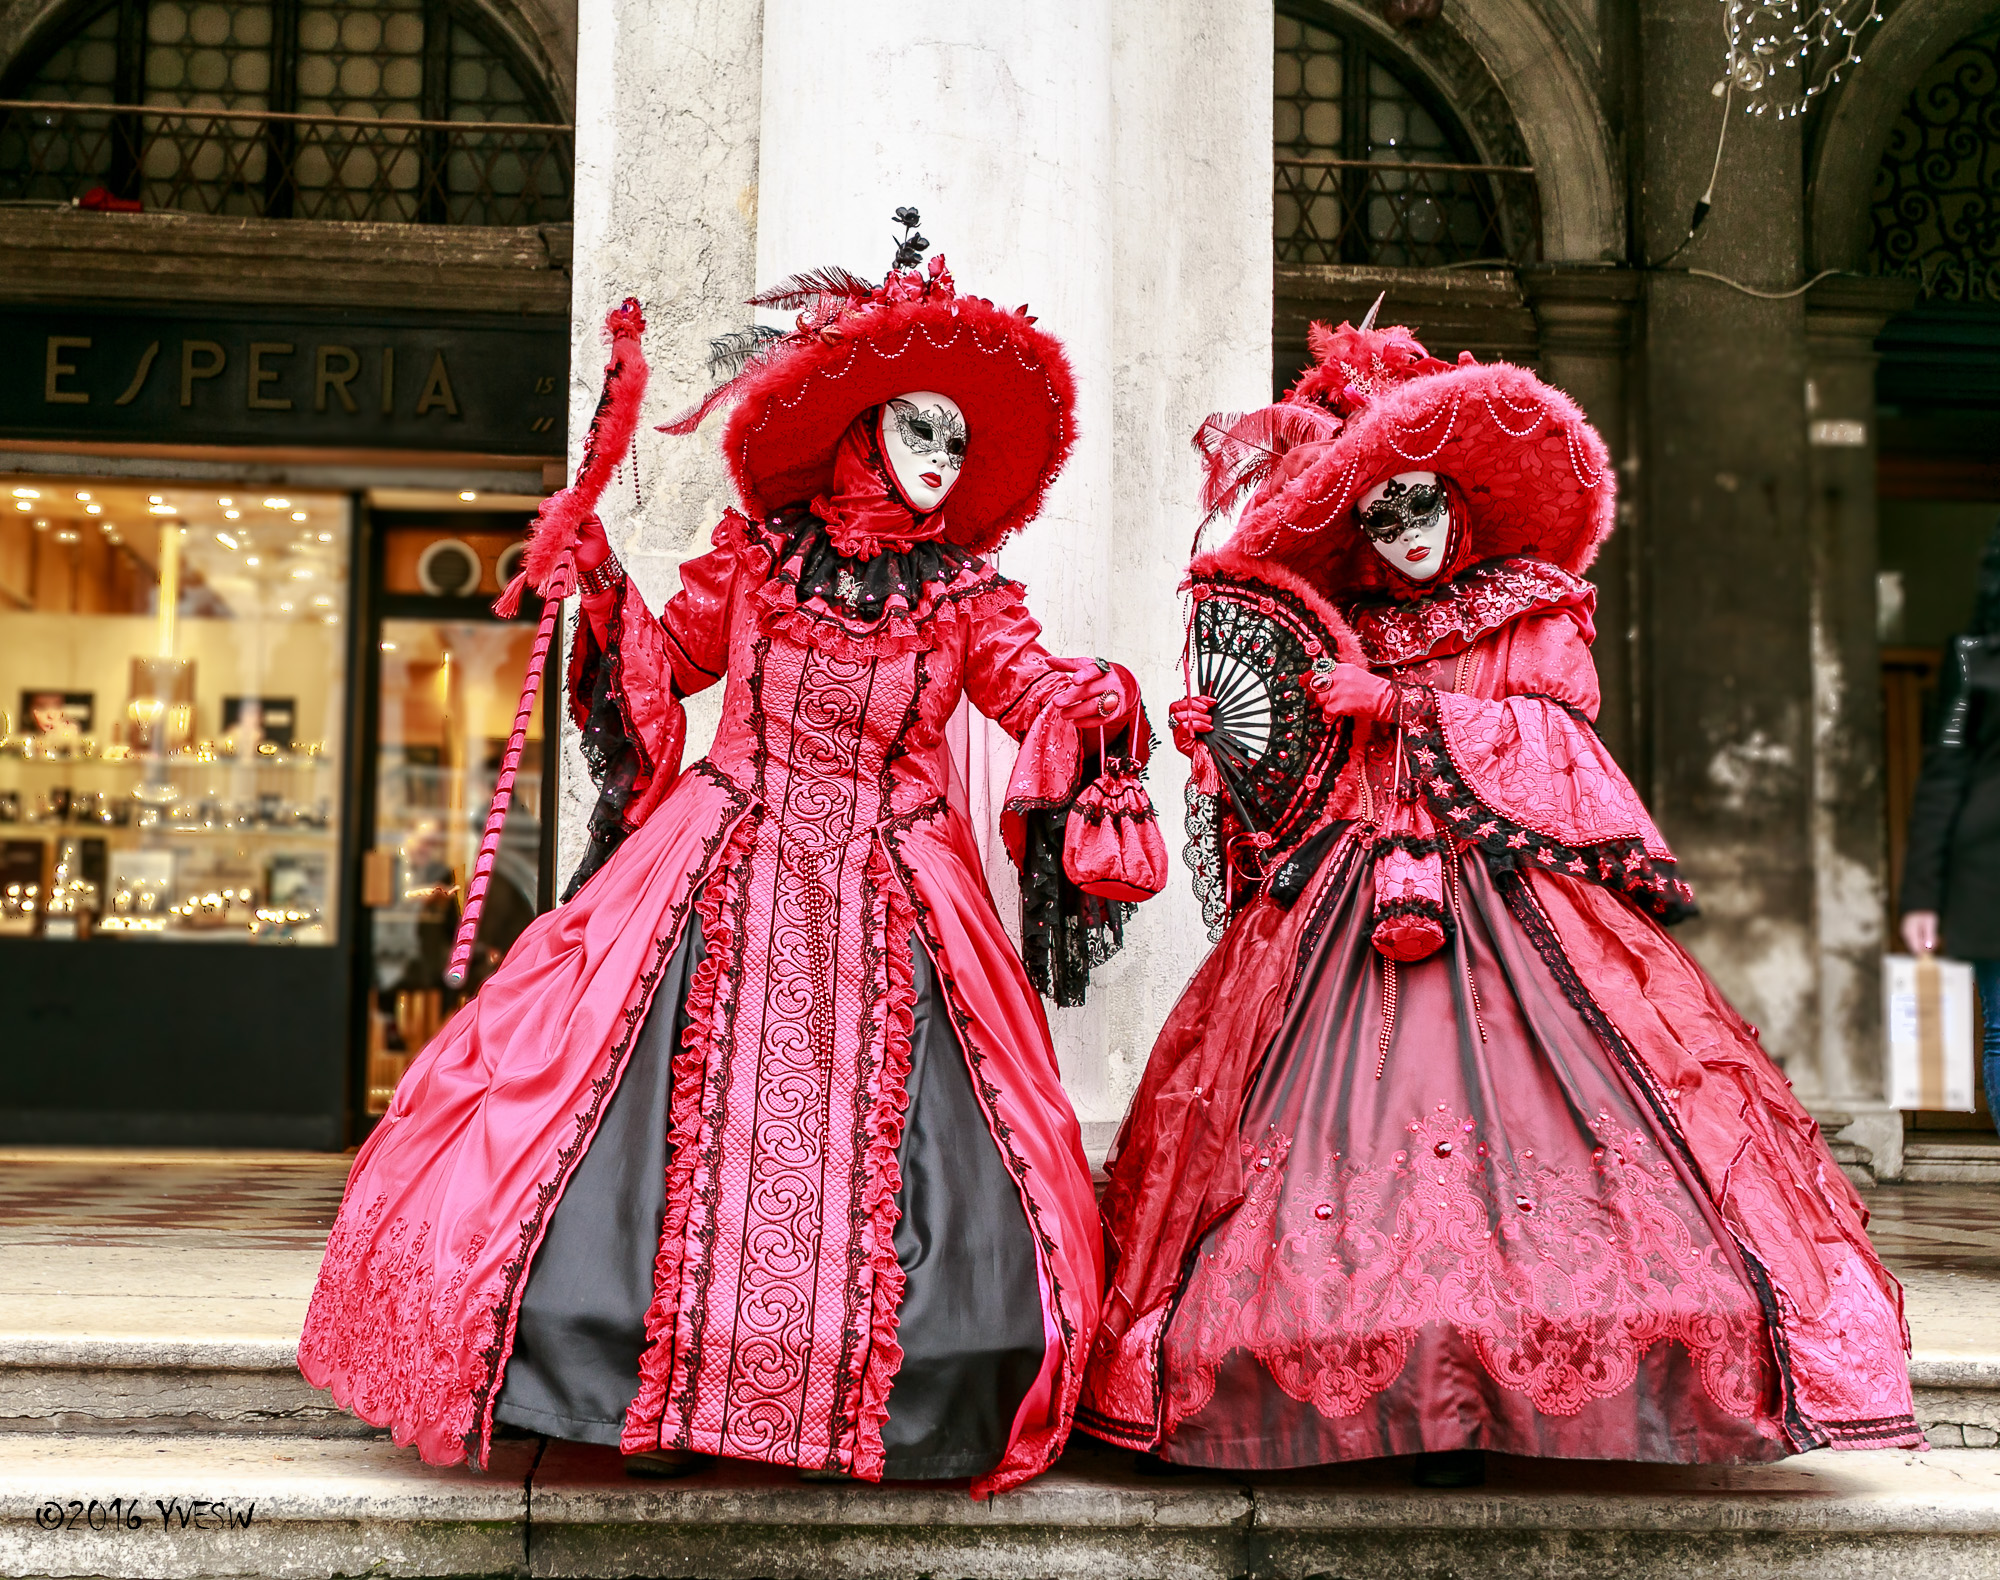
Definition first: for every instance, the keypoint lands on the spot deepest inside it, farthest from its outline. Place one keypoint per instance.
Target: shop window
(172, 702)
(447, 682)
(1370, 166)
(399, 110)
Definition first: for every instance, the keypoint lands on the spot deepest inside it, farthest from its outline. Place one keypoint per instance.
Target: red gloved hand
(1349, 689)
(1191, 718)
(1095, 697)
(593, 548)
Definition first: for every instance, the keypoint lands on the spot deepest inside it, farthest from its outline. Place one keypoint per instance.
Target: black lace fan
(1256, 649)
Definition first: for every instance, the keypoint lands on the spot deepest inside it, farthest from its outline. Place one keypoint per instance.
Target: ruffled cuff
(633, 732)
(1622, 853)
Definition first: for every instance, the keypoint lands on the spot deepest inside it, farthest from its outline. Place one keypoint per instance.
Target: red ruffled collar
(1449, 619)
(914, 617)
(866, 513)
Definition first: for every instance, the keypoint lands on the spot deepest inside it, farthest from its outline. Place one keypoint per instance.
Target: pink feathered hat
(856, 344)
(1536, 477)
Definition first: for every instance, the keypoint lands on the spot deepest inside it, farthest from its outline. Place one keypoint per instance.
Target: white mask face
(923, 441)
(1406, 519)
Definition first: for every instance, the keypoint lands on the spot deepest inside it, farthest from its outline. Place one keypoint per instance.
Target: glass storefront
(268, 724)
(448, 680)
(175, 699)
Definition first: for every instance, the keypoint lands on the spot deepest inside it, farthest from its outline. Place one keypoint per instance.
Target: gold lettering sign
(329, 378)
(191, 370)
(139, 378)
(261, 375)
(57, 370)
(437, 389)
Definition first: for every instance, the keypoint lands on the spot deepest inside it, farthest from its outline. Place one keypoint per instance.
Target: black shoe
(1458, 1467)
(1152, 1465)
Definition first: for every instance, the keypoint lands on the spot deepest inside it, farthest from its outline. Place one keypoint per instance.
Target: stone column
(1843, 317)
(666, 210)
(1584, 316)
(1108, 166)
(1723, 488)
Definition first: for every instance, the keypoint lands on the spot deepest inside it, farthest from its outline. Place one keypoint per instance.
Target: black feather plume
(729, 354)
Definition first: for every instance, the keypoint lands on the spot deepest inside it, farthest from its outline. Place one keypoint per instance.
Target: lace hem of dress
(1559, 1279)
(377, 1297)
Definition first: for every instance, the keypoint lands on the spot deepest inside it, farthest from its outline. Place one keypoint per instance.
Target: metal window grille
(1370, 169)
(1936, 218)
(398, 110)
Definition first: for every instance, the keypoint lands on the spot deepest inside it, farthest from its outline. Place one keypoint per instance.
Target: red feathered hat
(1535, 476)
(856, 345)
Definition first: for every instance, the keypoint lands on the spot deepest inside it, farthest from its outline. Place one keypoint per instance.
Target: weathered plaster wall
(666, 208)
(1112, 171)
(1191, 335)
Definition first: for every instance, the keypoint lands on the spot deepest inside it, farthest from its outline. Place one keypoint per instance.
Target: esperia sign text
(244, 376)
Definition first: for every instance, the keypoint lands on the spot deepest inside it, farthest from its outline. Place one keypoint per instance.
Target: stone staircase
(1949, 1157)
(152, 1424)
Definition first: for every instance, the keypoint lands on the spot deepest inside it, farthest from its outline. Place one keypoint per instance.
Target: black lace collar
(861, 589)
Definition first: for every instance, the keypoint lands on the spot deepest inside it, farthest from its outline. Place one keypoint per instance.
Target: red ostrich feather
(552, 539)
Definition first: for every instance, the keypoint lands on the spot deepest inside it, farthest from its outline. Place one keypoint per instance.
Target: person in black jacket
(1951, 878)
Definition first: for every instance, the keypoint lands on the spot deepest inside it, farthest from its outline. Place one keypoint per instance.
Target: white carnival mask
(923, 442)
(1406, 519)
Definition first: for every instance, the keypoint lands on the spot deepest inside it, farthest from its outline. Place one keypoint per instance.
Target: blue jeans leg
(1987, 974)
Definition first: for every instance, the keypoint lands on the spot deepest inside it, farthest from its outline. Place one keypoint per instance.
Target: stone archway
(1545, 102)
(1583, 206)
(1857, 125)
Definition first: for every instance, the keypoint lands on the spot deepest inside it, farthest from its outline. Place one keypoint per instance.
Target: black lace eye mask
(1403, 507)
(931, 429)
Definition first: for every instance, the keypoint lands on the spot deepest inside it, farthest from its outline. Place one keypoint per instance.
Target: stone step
(1951, 1157)
(298, 1509)
(85, 1385)
(160, 1383)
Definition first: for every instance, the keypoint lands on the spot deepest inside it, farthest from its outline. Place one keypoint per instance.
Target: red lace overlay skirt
(1464, 1226)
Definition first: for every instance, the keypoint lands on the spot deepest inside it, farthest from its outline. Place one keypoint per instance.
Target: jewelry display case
(180, 672)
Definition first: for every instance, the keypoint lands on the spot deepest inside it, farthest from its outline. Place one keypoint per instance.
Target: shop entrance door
(447, 677)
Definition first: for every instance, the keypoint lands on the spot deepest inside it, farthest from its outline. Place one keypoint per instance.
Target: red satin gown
(1541, 1192)
(812, 844)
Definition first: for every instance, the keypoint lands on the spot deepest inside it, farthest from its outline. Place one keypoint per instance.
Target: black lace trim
(611, 749)
(860, 589)
(1623, 865)
(1064, 931)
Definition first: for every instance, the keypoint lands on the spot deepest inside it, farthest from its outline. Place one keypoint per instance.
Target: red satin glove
(1352, 690)
(1096, 697)
(593, 548)
(1191, 718)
